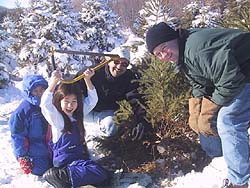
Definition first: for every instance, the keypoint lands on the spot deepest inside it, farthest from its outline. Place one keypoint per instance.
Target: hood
(30, 82)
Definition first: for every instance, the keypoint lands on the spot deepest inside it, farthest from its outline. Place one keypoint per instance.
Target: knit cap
(158, 34)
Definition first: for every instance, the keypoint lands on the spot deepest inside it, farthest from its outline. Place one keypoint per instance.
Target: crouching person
(30, 132)
(64, 107)
(114, 82)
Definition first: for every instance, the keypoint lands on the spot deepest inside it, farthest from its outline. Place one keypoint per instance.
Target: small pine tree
(124, 113)
(236, 15)
(165, 92)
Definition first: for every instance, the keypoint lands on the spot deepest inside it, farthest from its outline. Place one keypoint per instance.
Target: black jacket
(109, 89)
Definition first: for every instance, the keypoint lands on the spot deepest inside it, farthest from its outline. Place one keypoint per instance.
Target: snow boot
(57, 177)
(227, 184)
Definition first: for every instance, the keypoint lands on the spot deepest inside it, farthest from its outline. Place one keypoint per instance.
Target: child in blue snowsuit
(63, 106)
(30, 133)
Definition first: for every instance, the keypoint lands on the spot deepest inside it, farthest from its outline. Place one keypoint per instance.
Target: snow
(11, 176)
(10, 97)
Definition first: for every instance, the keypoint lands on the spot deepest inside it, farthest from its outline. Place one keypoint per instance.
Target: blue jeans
(212, 144)
(100, 124)
(232, 124)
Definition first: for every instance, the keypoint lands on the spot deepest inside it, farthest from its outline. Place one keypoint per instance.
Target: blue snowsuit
(30, 132)
(68, 151)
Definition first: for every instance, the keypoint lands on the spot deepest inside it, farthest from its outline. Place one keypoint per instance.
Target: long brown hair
(63, 90)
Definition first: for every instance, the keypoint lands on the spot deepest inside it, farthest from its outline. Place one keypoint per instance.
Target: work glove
(25, 164)
(208, 111)
(194, 112)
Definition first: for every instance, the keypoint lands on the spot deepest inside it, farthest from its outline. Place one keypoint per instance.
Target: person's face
(38, 91)
(118, 67)
(69, 104)
(168, 51)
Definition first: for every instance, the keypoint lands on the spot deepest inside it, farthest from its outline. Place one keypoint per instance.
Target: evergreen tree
(165, 92)
(47, 24)
(236, 15)
(198, 15)
(100, 28)
(7, 59)
(124, 113)
(154, 11)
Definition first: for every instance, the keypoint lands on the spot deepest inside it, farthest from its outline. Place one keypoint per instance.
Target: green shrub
(164, 93)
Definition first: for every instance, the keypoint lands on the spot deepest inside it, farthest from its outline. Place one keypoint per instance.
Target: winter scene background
(28, 34)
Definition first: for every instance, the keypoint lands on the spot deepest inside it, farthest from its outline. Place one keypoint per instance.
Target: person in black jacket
(113, 83)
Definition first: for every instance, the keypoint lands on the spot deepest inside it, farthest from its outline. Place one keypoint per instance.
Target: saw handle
(52, 50)
(82, 75)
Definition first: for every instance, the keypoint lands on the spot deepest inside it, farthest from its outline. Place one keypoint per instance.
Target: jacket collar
(183, 34)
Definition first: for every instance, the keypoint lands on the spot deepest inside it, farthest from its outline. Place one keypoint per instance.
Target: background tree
(44, 25)
(153, 12)
(3, 12)
(236, 15)
(7, 59)
(200, 14)
(100, 29)
(127, 10)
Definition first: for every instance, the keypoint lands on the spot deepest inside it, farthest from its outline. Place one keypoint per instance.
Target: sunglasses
(122, 63)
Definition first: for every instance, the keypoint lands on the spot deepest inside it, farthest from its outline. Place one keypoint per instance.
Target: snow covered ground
(11, 177)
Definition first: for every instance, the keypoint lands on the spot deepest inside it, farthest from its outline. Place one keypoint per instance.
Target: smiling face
(118, 67)
(69, 104)
(168, 51)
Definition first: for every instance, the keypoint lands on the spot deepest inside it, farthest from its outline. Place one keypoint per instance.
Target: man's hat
(158, 34)
(122, 51)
